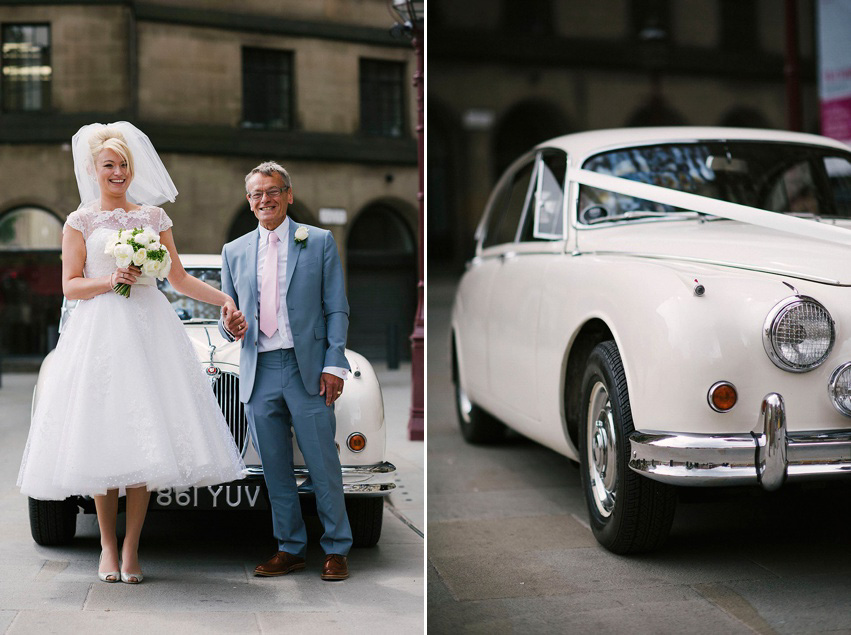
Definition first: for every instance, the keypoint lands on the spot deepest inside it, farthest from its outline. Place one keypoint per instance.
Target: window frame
(47, 97)
(287, 105)
(404, 124)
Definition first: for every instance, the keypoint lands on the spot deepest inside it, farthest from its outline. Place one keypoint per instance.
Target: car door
(531, 236)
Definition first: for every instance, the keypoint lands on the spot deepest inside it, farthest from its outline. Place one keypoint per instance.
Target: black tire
(629, 513)
(477, 426)
(53, 522)
(365, 516)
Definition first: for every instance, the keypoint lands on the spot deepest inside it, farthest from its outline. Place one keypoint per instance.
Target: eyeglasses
(272, 192)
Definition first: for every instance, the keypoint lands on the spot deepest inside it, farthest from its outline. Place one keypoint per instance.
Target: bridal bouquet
(140, 247)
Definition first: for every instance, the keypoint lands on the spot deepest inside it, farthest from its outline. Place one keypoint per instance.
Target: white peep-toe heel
(132, 578)
(105, 577)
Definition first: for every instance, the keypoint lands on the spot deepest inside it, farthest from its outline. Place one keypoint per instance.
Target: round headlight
(798, 334)
(839, 389)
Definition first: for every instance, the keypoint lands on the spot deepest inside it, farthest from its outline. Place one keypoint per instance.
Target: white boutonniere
(301, 236)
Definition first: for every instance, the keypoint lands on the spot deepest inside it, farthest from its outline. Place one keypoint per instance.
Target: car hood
(226, 352)
(725, 243)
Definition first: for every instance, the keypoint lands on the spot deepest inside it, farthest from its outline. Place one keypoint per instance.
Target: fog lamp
(839, 389)
(356, 442)
(722, 396)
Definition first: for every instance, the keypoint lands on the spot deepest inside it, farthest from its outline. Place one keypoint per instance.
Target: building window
(382, 103)
(26, 67)
(532, 17)
(267, 88)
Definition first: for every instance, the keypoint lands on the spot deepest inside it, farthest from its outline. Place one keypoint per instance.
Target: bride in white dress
(125, 405)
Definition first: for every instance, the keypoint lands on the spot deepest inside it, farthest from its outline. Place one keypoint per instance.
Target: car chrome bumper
(767, 458)
(358, 480)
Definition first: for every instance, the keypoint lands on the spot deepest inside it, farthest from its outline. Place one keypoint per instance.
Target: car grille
(226, 390)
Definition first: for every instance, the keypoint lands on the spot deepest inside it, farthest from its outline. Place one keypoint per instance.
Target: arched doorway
(30, 281)
(381, 258)
(245, 220)
(523, 126)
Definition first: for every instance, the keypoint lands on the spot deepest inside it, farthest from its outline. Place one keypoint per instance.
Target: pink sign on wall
(834, 52)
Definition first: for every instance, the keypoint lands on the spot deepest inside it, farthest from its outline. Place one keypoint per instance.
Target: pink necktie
(269, 289)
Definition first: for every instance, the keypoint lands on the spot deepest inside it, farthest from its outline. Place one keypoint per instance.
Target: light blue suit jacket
(316, 303)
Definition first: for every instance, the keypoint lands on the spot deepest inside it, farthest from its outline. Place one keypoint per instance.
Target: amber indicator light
(722, 396)
(357, 442)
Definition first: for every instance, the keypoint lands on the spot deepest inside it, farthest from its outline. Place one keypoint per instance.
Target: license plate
(225, 496)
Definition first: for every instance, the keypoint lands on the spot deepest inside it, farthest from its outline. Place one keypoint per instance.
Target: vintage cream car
(367, 477)
(668, 306)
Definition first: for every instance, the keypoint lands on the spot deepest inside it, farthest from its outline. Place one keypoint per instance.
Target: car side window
(506, 214)
(838, 171)
(544, 217)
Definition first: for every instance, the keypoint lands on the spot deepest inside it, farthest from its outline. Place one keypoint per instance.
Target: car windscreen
(787, 178)
(188, 308)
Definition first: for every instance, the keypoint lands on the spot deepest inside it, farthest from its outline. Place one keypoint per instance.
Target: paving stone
(132, 623)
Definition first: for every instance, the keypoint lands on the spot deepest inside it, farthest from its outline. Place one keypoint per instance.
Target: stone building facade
(505, 75)
(321, 87)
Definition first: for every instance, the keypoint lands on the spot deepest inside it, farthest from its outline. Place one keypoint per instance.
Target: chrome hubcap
(602, 450)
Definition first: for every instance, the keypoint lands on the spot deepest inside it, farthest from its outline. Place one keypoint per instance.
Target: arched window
(30, 228)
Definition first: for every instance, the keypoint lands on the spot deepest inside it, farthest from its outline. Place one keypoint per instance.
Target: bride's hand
(233, 319)
(125, 275)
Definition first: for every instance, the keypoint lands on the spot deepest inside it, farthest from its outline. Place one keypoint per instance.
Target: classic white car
(668, 306)
(367, 477)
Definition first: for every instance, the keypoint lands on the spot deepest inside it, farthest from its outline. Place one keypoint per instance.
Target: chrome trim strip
(378, 468)
(717, 263)
(769, 458)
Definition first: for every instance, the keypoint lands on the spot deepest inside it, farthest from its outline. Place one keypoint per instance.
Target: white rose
(154, 245)
(151, 268)
(165, 269)
(140, 256)
(123, 255)
(147, 237)
(124, 236)
(301, 234)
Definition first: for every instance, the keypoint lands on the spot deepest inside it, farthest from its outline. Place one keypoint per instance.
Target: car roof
(583, 144)
(201, 260)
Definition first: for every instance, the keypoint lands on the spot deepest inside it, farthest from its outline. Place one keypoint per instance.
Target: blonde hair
(111, 139)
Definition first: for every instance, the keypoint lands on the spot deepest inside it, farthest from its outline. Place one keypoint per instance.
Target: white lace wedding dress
(125, 401)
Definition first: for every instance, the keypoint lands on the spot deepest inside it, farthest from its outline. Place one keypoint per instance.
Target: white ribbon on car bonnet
(714, 207)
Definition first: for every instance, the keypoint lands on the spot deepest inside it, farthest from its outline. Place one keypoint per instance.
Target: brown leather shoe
(280, 564)
(335, 568)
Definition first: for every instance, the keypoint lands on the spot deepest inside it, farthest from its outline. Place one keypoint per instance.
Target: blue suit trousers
(278, 405)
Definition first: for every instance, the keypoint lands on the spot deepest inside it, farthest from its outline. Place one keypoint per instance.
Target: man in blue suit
(292, 317)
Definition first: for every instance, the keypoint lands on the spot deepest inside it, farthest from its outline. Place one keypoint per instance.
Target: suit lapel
(251, 255)
(293, 251)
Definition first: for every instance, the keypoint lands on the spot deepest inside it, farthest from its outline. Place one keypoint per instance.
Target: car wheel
(53, 522)
(629, 513)
(365, 516)
(477, 426)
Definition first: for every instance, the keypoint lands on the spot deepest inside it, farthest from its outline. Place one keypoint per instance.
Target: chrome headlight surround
(778, 320)
(839, 389)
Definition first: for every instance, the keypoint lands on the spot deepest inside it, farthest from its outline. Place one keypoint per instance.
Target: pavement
(510, 549)
(198, 565)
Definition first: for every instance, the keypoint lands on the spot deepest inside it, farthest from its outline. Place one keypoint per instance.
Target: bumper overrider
(768, 457)
(358, 480)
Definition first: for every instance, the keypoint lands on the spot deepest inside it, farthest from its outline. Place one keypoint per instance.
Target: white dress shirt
(283, 337)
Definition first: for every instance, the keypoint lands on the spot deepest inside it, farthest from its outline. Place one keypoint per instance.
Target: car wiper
(643, 214)
(200, 321)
